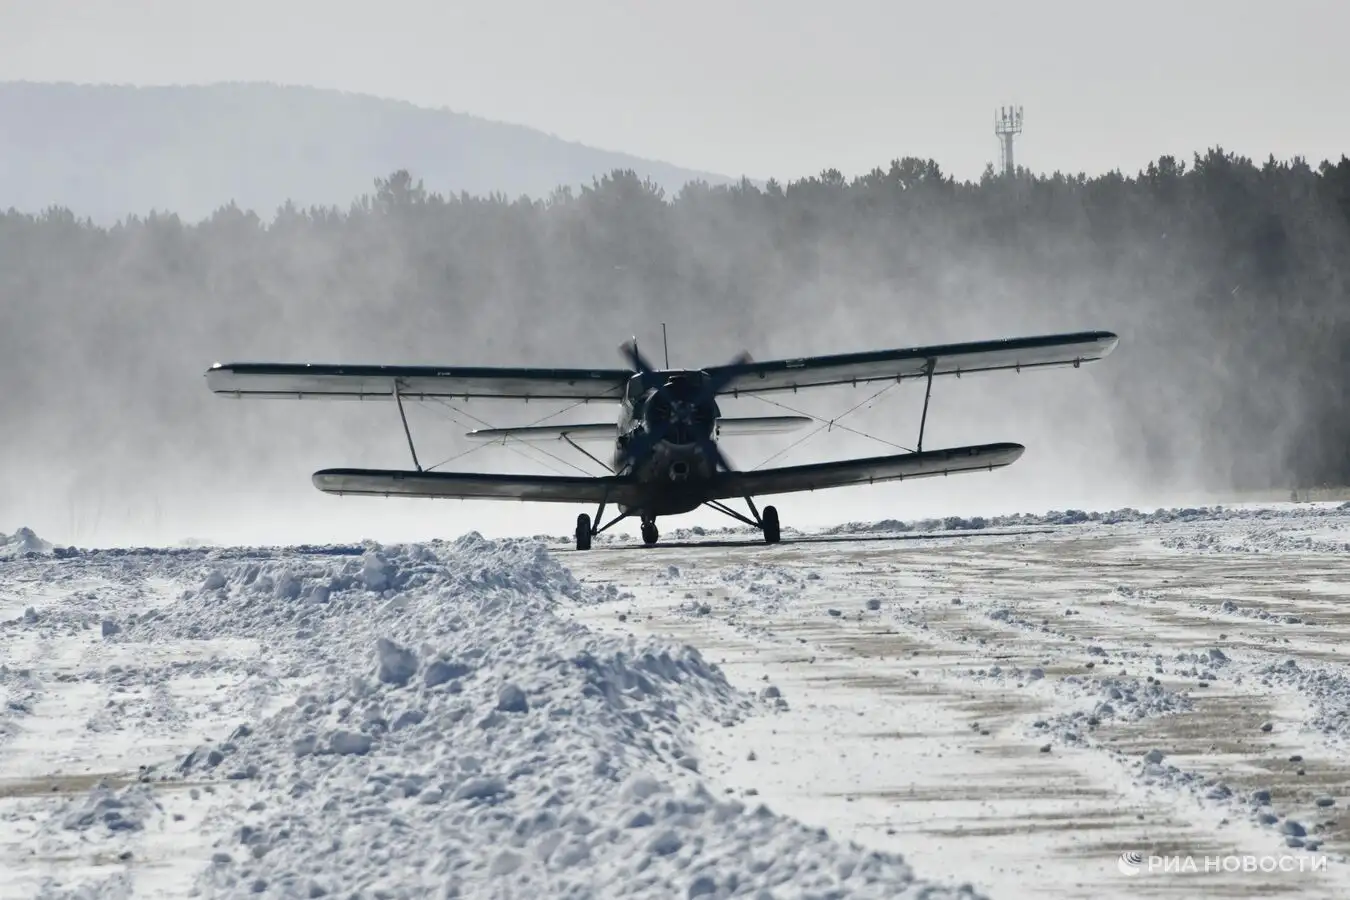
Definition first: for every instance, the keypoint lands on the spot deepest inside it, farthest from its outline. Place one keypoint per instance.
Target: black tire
(583, 532)
(649, 533)
(770, 522)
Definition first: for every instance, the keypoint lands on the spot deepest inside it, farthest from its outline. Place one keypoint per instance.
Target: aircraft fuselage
(667, 440)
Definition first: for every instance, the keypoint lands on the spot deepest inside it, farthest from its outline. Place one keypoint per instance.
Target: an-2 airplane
(666, 460)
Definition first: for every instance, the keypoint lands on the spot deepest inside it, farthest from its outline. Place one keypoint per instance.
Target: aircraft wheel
(583, 532)
(770, 520)
(649, 533)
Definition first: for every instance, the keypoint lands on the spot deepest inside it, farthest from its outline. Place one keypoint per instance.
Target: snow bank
(1254, 540)
(1109, 699)
(21, 543)
(459, 738)
(1327, 686)
(1126, 515)
(1231, 608)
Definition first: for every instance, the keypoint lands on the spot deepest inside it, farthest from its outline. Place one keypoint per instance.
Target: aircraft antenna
(1007, 125)
(665, 346)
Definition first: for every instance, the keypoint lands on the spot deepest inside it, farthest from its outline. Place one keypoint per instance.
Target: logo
(1132, 863)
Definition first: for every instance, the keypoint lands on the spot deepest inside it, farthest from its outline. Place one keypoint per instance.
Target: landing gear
(766, 523)
(769, 524)
(587, 530)
(583, 532)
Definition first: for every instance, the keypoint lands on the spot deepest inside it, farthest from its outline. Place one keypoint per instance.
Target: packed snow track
(1019, 710)
(1059, 706)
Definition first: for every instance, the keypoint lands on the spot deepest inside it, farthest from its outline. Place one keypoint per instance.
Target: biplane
(665, 459)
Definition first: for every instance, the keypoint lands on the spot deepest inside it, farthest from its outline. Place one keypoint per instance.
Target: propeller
(711, 387)
(705, 397)
(639, 362)
(644, 440)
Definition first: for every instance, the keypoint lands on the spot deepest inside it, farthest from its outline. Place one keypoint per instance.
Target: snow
(1020, 707)
(21, 543)
(951, 708)
(402, 721)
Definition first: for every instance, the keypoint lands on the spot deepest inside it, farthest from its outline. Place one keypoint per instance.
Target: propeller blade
(650, 379)
(715, 383)
(718, 457)
(634, 356)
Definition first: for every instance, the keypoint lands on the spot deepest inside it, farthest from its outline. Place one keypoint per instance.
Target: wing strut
(928, 393)
(592, 456)
(398, 398)
(725, 510)
(597, 528)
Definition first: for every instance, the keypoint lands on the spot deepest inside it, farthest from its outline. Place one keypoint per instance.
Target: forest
(1226, 279)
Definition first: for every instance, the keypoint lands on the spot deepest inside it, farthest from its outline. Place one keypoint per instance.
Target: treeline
(1226, 279)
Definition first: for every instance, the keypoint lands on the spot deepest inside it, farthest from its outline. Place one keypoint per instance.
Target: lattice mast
(1007, 125)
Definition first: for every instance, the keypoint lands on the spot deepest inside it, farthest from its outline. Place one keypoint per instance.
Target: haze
(104, 335)
(759, 88)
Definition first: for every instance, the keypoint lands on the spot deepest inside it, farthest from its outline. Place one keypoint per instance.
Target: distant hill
(106, 151)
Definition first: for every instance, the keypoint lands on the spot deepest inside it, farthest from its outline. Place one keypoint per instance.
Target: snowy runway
(991, 716)
(1013, 708)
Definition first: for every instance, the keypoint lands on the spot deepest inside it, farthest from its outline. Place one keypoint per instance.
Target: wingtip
(1009, 450)
(214, 376)
(1013, 449)
(329, 480)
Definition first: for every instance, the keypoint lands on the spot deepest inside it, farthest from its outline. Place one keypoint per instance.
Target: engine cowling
(681, 410)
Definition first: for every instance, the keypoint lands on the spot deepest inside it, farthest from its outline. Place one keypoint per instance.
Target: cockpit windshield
(633, 393)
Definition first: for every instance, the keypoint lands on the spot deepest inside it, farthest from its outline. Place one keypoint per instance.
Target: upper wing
(947, 359)
(477, 486)
(816, 476)
(372, 382)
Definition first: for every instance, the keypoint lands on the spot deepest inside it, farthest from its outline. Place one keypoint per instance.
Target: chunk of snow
(21, 543)
(397, 664)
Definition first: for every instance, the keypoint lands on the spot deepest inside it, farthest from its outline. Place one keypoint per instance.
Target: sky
(765, 89)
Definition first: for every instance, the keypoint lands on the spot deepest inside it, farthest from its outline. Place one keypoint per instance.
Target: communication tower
(1007, 125)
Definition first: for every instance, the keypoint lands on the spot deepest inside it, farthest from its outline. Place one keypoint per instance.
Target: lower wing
(476, 486)
(627, 491)
(844, 473)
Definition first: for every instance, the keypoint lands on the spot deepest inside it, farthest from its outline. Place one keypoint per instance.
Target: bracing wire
(829, 424)
(449, 410)
(825, 424)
